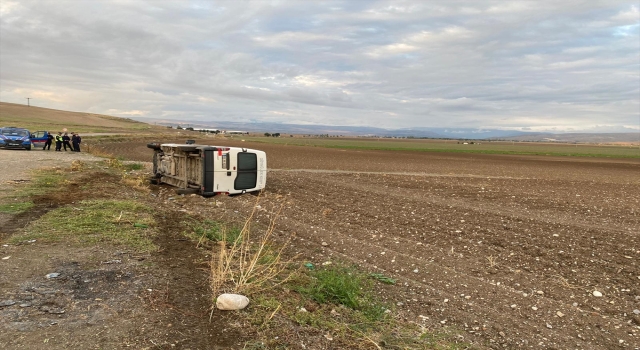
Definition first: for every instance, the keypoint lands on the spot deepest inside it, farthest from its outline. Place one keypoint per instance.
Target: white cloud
(397, 63)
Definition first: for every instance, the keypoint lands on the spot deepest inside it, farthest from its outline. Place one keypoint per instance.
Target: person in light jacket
(59, 142)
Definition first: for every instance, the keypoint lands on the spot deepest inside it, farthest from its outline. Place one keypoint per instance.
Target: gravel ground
(17, 164)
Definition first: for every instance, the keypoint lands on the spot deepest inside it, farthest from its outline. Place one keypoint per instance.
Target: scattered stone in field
(53, 275)
(301, 309)
(334, 312)
(534, 308)
(446, 300)
(7, 303)
(231, 302)
(636, 311)
(6, 257)
(525, 295)
(597, 294)
(415, 271)
(328, 336)
(575, 304)
(549, 326)
(556, 235)
(112, 262)
(560, 314)
(502, 334)
(52, 310)
(513, 306)
(326, 263)
(540, 292)
(325, 244)
(25, 304)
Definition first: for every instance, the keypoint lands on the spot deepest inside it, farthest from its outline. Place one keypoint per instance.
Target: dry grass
(246, 266)
(492, 261)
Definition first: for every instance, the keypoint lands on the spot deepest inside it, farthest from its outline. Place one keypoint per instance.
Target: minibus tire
(186, 191)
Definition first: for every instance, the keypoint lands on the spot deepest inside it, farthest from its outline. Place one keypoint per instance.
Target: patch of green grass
(133, 166)
(343, 285)
(213, 231)
(119, 222)
(42, 182)
(278, 313)
(15, 208)
(453, 146)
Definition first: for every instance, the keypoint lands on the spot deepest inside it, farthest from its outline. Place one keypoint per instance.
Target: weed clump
(343, 285)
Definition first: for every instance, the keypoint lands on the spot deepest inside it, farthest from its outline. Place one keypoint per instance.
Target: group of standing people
(65, 141)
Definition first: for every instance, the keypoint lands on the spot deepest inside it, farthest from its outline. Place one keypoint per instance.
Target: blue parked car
(39, 138)
(12, 137)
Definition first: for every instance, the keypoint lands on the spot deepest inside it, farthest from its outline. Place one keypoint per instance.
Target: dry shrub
(246, 266)
(77, 165)
(138, 182)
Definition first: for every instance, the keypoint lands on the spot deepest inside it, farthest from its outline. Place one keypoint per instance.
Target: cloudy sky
(530, 65)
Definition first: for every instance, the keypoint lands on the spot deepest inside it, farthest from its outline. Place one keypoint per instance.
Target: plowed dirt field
(513, 251)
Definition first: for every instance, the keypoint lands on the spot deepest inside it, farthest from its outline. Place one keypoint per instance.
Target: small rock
(6, 257)
(52, 275)
(575, 304)
(540, 292)
(328, 336)
(468, 297)
(513, 306)
(446, 300)
(326, 263)
(636, 311)
(560, 314)
(597, 294)
(415, 271)
(7, 303)
(534, 308)
(302, 309)
(53, 310)
(324, 244)
(549, 326)
(502, 334)
(25, 305)
(231, 302)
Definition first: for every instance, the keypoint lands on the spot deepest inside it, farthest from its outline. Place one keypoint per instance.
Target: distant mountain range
(419, 132)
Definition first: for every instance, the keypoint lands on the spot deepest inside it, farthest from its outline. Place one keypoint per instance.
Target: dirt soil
(511, 251)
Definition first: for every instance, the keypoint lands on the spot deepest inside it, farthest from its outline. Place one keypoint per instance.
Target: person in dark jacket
(75, 141)
(65, 142)
(59, 142)
(47, 144)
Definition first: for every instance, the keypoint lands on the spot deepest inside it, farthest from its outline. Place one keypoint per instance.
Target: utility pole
(28, 98)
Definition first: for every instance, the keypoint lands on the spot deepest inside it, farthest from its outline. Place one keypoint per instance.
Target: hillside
(37, 118)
